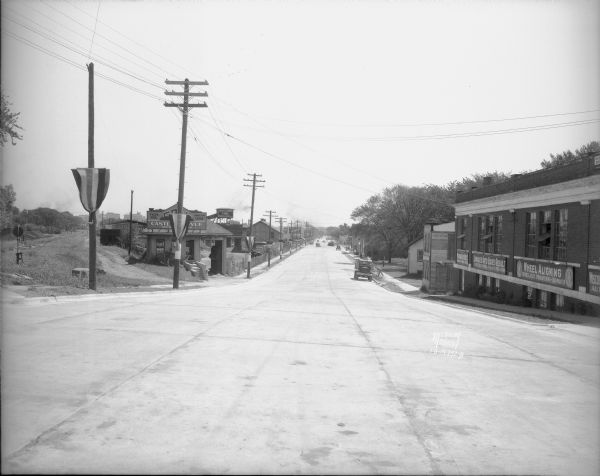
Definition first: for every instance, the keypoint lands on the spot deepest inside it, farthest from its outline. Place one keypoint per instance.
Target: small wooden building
(204, 239)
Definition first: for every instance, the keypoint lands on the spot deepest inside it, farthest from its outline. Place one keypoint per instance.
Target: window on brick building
(530, 238)
(481, 229)
(462, 233)
(489, 234)
(498, 235)
(560, 233)
(545, 235)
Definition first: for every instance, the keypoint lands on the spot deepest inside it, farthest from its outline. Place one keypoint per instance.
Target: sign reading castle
(158, 221)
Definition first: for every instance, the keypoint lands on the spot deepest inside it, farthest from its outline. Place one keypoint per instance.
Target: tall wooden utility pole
(130, 220)
(184, 109)
(269, 241)
(254, 181)
(92, 220)
(281, 220)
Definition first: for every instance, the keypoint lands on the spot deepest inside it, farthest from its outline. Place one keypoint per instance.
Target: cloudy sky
(331, 101)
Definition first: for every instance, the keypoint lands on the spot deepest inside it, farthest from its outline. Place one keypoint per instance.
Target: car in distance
(331, 243)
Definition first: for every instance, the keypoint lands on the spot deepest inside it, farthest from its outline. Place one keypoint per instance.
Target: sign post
(18, 232)
(93, 186)
(179, 224)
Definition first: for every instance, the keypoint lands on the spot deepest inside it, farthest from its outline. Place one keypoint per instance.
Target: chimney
(513, 176)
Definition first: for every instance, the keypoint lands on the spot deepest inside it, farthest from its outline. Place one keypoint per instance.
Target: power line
(102, 36)
(90, 53)
(77, 65)
(81, 52)
(169, 73)
(65, 27)
(415, 124)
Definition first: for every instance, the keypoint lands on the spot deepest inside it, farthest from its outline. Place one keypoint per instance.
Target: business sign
(224, 212)
(489, 262)
(594, 282)
(462, 257)
(557, 274)
(158, 222)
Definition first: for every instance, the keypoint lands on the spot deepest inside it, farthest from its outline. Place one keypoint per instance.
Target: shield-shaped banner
(92, 185)
(250, 242)
(179, 224)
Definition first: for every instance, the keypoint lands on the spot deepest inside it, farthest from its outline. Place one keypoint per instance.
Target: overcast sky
(330, 101)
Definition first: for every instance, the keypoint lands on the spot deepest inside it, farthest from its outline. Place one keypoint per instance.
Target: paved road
(300, 370)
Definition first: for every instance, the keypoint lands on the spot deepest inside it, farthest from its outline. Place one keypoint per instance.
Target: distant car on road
(331, 243)
(317, 244)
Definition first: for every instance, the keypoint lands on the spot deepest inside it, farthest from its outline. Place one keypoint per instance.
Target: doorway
(216, 258)
(189, 250)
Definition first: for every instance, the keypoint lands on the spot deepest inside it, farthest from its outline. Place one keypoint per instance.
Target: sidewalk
(541, 314)
(390, 278)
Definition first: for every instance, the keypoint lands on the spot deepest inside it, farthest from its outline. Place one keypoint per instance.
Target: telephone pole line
(184, 109)
(130, 220)
(269, 241)
(281, 220)
(250, 240)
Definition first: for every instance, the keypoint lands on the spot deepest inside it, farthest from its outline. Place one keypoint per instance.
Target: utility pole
(92, 220)
(281, 220)
(184, 109)
(269, 241)
(130, 220)
(254, 181)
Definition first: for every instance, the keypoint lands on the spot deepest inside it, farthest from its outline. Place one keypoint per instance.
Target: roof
(215, 229)
(261, 222)
(415, 241)
(575, 170)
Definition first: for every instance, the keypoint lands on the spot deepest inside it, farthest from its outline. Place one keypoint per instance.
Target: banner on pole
(93, 186)
(179, 224)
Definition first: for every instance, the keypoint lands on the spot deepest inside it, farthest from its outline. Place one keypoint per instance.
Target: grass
(49, 259)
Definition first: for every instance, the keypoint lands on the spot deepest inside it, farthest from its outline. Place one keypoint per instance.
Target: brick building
(534, 239)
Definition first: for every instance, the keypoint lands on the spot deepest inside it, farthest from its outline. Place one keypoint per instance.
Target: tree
(9, 128)
(568, 157)
(7, 199)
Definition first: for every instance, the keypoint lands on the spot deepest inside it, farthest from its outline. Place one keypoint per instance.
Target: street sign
(93, 185)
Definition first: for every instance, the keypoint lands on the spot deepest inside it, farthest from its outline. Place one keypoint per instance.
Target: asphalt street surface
(299, 370)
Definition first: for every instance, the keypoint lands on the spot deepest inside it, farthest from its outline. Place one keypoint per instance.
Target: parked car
(331, 243)
(363, 268)
(317, 244)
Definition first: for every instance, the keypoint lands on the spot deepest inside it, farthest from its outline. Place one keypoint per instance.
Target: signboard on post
(225, 213)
